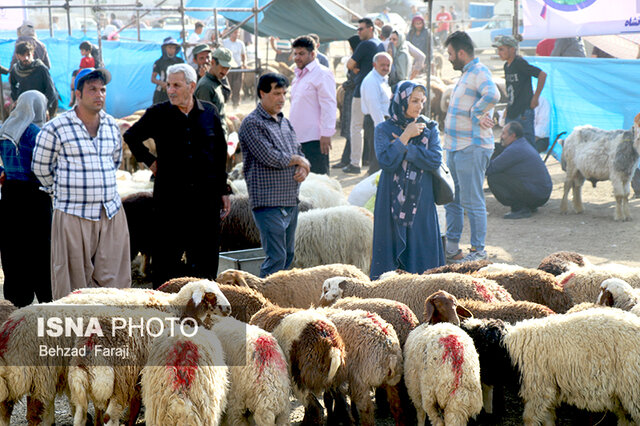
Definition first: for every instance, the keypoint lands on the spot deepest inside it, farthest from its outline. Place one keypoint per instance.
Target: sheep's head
(443, 307)
(232, 277)
(202, 299)
(612, 290)
(332, 290)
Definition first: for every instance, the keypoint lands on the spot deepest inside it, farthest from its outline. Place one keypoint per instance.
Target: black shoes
(351, 169)
(340, 165)
(518, 214)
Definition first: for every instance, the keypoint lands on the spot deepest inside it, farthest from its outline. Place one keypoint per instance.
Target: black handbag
(444, 189)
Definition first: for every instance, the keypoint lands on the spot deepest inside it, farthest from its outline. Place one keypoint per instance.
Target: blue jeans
(526, 120)
(277, 227)
(467, 169)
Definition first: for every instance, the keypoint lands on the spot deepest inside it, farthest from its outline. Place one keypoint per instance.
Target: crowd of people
(59, 178)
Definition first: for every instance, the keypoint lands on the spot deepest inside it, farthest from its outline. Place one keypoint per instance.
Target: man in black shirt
(32, 74)
(190, 192)
(517, 74)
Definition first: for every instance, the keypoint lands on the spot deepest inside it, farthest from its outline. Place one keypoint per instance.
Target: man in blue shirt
(517, 177)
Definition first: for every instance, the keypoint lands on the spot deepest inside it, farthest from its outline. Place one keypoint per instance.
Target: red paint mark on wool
(77, 292)
(183, 360)
(376, 320)
(484, 291)
(566, 279)
(268, 354)
(454, 351)
(327, 332)
(5, 334)
(405, 313)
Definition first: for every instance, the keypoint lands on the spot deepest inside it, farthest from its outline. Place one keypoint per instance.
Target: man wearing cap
(201, 59)
(190, 193)
(213, 87)
(521, 100)
(170, 48)
(31, 74)
(313, 105)
(76, 157)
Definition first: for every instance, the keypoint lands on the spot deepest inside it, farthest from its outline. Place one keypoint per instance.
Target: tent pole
(255, 34)
(138, 24)
(429, 49)
(66, 6)
(356, 14)
(184, 33)
(515, 26)
(215, 24)
(50, 21)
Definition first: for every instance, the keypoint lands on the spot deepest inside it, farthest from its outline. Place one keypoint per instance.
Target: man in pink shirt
(313, 105)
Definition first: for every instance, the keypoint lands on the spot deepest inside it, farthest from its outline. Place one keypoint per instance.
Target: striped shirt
(81, 170)
(474, 94)
(267, 147)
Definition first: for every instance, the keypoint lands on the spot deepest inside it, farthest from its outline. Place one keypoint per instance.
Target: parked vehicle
(484, 36)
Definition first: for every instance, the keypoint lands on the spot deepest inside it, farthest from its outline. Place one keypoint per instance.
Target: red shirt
(443, 18)
(545, 47)
(87, 62)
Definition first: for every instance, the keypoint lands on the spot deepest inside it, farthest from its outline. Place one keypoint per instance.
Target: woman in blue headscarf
(406, 234)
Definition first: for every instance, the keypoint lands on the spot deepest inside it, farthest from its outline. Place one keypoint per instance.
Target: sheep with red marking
(313, 348)
(297, 288)
(594, 154)
(185, 381)
(260, 384)
(442, 373)
(413, 290)
(583, 284)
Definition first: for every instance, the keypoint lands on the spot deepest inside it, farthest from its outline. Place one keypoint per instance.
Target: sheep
(500, 267)
(618, 294)
(401, 318)
(442, 373)
(313, 348)
(296, 288)
(373, 358)
(138, 208)
(111, 382)
(341, 234)
(510, 312)
(583, 284)
(562, 261)
(413, 290)
(596, 155)
(532, 285)
(6, 309)
(259, 379)
(587, 359)
(185, 381)
(460, 268)
(244, 301)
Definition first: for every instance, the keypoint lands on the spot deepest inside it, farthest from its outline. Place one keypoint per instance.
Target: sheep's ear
(429, 309)
(197, 297)
(463, 312)
(342, 284)
(606, 298)
(211, 298)
(239, 279)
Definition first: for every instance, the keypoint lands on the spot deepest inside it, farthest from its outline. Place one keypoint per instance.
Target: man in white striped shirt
(76, 157)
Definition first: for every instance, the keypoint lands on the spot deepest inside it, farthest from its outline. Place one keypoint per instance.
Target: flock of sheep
(443, 344)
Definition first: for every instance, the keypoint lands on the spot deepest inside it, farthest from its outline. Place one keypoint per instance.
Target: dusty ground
(525, 242)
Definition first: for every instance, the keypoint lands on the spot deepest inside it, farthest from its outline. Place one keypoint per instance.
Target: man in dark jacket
(517, 177)
(32, 74)
(190, 193)
(213, 86)
(170, 49)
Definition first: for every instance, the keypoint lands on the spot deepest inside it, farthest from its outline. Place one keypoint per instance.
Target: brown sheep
(561, 261)
(510, 312)
(460, 268)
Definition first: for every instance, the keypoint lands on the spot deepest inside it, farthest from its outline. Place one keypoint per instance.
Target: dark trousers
(25, 243)
(369, 150)
(235, 81)
(277, 227)
(319, 161)
(189, 231)
(346, 152)
(512, 193)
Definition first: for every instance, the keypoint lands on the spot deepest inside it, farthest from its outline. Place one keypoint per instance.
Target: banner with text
(570, 18)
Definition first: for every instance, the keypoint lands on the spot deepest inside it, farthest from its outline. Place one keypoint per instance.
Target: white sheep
(588, 359)
(341, 234)
(295, 288)
(260, 384)
(595, 155)
(185, 381)
(583, 284)
(617, 293)
(442, 373)
(413, 290)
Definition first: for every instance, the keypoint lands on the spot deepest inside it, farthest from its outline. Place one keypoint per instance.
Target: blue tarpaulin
(604, 93)
(130, 64)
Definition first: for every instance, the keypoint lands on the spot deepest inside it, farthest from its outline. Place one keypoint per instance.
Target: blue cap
(85, 73)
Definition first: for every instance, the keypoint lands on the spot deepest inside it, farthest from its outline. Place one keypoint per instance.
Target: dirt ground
(525, 242)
